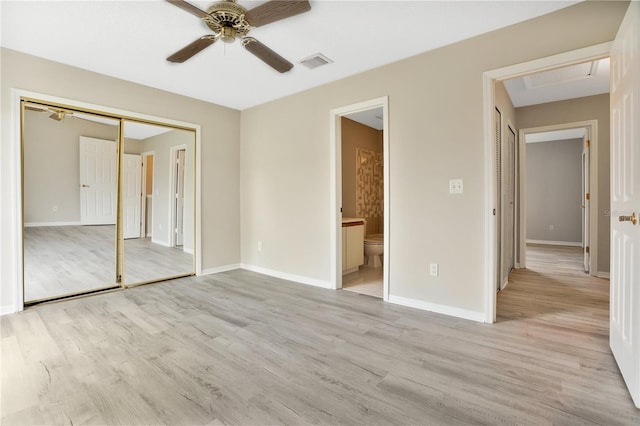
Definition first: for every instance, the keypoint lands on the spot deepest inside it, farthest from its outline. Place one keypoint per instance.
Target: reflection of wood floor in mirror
(62, 260)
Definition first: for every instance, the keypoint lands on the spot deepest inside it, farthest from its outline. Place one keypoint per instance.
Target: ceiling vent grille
(315, 61)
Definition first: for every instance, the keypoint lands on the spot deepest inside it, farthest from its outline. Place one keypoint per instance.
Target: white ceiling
(131, 39)
(371, 118)
(590, 78)
(555, 135)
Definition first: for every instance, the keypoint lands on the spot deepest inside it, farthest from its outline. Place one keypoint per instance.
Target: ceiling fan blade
(190, 50)
(275, 10)
(188, 7)
(267, 55)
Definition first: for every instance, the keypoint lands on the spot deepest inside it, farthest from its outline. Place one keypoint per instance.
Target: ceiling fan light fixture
(228, 34)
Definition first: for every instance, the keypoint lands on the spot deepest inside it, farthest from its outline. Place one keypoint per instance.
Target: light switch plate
(455, 186)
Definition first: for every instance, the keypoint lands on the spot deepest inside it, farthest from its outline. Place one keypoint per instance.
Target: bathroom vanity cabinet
(352, 244)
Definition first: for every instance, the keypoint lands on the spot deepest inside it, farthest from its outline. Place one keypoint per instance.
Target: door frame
(592, 126)
(15, 274)
(490, 77)
(173, 181)
(335, 188)
(143, 209)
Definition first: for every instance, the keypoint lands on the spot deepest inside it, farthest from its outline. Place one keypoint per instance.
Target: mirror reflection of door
(166, 247)
(69, 198)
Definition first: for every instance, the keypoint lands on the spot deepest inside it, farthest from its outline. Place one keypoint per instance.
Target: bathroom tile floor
(364, 281)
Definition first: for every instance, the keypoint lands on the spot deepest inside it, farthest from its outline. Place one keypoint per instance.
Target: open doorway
(561, 190)
(360, 186)
(540, 116)
(363, 202)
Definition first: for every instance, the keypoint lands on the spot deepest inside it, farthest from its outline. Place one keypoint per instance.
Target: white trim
(556, 243)
(188, 251)
(335, 188)
(173, 180)
(8, 309)
(489, 78)
(33, 224)
(16, 258)
(143, 210)
(160, 242)
(219, 269)
(439, 309)
(289, 277)
(603, 275)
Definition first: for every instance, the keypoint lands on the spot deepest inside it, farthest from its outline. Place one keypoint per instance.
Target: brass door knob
(633, 219)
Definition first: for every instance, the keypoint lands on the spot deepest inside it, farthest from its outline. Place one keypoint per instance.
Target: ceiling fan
(228, 21)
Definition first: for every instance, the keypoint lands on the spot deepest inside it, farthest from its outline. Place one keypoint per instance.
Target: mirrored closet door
(98, 217)
(69, 202)
(158, 197)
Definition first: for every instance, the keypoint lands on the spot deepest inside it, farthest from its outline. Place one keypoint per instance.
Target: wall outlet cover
(455, 186)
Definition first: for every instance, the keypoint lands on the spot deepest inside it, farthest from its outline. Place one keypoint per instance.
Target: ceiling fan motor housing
(226, 19)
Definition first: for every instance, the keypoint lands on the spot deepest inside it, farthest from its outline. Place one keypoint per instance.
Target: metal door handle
(85, 186)
(631, 218)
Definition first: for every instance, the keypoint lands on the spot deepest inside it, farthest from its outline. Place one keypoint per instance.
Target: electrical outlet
(551, 227)
(433, 269)
(259, 245)
(455, 186)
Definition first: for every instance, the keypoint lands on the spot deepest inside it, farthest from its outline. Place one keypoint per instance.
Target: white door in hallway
(97, 181)
(132, 195)
(625, 200)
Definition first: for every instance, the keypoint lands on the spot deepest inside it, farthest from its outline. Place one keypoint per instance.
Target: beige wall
(581, 109)
(220, 150)
(161, 217)
(554, 191)
(356, 135)
(436, 133)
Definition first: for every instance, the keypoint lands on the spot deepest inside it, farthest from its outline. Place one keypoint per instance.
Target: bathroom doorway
(361, 152)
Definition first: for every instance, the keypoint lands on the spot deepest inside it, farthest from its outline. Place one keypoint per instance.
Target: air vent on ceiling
(315, 61)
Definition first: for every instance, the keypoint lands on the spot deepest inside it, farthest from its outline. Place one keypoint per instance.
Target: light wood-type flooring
(245, 349)
(62, 260)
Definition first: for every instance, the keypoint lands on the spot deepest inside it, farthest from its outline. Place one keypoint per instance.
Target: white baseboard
(8, 309)
(188, 251)
(34, 224)
(439, 309)
(606, 275)
(286, 276)
(556, 243)
(160, 242)
(219, 269)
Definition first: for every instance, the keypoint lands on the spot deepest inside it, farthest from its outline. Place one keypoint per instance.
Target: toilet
(373, 249)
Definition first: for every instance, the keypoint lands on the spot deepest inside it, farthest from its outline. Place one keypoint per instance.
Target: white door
(132, 195)
(97, 181)
(586, 200)
(180, 198)
(624, 332)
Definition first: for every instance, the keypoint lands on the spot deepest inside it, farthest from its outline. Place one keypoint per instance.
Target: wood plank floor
(241, 348)
(61, 260)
